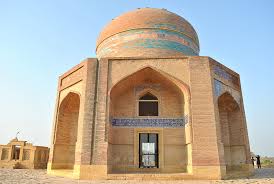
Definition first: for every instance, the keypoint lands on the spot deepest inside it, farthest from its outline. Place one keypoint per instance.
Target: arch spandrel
(76, 88)
(221, 89)
(227, 100)
(122, 68)
(67, 95)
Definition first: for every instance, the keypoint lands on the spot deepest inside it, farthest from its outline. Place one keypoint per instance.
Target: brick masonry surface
(189, 95)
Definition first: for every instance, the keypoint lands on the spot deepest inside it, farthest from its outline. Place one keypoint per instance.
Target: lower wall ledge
(99, 172)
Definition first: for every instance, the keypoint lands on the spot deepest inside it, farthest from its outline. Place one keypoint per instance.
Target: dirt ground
(23, 176)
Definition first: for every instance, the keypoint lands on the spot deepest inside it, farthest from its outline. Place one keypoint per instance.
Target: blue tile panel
(217, 87)
(222, 73)
(160, 44)
(150, 122)
(225, 75)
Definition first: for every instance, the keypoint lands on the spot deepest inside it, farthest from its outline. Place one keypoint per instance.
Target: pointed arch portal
(145, 108)
(232, 131)
(66, 132)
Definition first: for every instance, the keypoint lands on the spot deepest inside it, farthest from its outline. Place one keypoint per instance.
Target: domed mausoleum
(149, 107)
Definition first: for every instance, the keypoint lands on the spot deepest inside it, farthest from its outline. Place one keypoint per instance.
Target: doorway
(148, 150)
(16, 152)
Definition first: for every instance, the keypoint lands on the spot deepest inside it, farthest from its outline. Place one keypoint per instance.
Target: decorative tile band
(225, 75)
(148, 39)
(150, 122)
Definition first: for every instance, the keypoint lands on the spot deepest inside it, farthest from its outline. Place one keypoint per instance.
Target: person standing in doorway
(258, 161)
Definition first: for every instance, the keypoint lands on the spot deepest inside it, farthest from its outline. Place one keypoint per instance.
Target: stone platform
(25, 176)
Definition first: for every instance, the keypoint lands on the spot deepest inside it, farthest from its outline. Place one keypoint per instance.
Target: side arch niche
(66, 132)
(232, 132)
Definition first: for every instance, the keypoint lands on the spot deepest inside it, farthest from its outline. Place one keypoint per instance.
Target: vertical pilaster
(84, 140)
(207, 152)
(100, 144)
(93, 163)
(10, 153)
(21, 153)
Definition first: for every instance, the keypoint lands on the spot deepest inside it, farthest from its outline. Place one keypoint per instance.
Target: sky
(40, 40)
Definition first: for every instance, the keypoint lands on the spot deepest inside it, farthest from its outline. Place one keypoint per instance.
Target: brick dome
(147, 32)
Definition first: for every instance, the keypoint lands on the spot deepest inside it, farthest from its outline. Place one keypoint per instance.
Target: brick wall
(205, 149)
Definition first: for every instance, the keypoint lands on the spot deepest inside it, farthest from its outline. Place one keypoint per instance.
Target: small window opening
(148, 105)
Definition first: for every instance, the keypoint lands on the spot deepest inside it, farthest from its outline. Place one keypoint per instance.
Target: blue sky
(40, 40)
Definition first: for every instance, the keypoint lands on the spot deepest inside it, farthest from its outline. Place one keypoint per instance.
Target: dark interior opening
(16, 152)
(148, 105)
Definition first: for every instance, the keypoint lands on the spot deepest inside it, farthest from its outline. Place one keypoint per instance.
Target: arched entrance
(232, 132)
(66, 132)
(145, 106)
